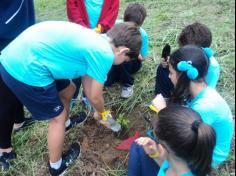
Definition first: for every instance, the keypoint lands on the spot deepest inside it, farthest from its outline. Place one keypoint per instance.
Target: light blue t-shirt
(165, 166)
(145, 41)
(94, 9)
(213, 73)
(55, 50)
(215, 112)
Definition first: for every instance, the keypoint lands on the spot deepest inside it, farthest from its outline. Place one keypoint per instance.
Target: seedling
(123, 121)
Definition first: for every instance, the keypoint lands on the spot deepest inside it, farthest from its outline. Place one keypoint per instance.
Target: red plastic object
(126, 144)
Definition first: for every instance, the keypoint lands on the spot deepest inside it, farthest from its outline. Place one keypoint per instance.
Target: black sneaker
(67, 159)
(76, 120)
(27, 122)
(5, 158)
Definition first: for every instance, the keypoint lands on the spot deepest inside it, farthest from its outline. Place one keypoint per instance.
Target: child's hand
(102, 116)
(165, 55)
(159, 102)
(140, 58)
(98, 29)
(151, 148)
(149, 145)
(97, 116)
(165, 62)
(105, 118)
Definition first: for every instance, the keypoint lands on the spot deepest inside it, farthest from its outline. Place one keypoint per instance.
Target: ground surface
(165, 20)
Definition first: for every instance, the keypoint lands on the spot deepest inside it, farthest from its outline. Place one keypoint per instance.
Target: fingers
(161, 151)
(98, 29)
(148, 145)
(165, 62)
(97, 116)
(144, 141)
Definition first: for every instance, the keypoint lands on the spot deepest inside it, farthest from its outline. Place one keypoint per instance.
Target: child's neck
(196, 88)
(177, 166)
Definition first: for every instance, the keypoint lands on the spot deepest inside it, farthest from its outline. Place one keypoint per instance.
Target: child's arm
(94, 92)
(154, 150)
(110, 17)
(145, 45)
(74, 12)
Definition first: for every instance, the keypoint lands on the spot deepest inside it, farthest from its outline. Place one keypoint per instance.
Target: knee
(71, 89)
(59, 120)
(135, 148)
(68, 92)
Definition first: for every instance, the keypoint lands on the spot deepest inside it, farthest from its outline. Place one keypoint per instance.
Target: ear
(124, 50)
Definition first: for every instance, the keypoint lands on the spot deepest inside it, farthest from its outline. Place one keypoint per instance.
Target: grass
(165, 20)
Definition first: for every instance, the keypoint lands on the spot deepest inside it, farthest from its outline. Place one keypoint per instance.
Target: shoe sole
(126, 96)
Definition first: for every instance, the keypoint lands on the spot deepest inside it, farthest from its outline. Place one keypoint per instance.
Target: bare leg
(56, 135)
(66, 95)
(56, 129)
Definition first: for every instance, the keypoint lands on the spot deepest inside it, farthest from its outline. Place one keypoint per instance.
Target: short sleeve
(145, 43)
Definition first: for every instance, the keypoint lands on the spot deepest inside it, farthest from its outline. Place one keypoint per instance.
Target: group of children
(86, 13)
(44, 67)
(186, 147)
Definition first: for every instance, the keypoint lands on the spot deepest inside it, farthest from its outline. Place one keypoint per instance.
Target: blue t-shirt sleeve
(213, 73)
(145, 43)
(98, 66)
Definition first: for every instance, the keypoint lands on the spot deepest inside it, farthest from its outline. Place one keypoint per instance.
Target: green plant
(124, 122)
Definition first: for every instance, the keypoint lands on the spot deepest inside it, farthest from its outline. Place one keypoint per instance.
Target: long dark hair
(198, 60)
(183, 131)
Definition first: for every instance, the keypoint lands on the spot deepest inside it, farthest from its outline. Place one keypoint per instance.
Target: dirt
(98, 145)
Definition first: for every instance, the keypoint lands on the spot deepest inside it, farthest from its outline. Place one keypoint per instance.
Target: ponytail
(187, 137)
(200, 162)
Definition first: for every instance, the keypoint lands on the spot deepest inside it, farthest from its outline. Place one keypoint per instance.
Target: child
(188, 67)
(12, 24)
(16, 16)
(99, 15)
(194, 34)
(43, 53)
(183, 146)
(135, 13)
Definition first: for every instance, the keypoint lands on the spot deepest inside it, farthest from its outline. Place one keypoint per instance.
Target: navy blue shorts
(43, 102)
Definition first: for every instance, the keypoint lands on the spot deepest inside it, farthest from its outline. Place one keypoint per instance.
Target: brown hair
(136, 13)
(195, 34)
(128, 35)
(183, 131)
